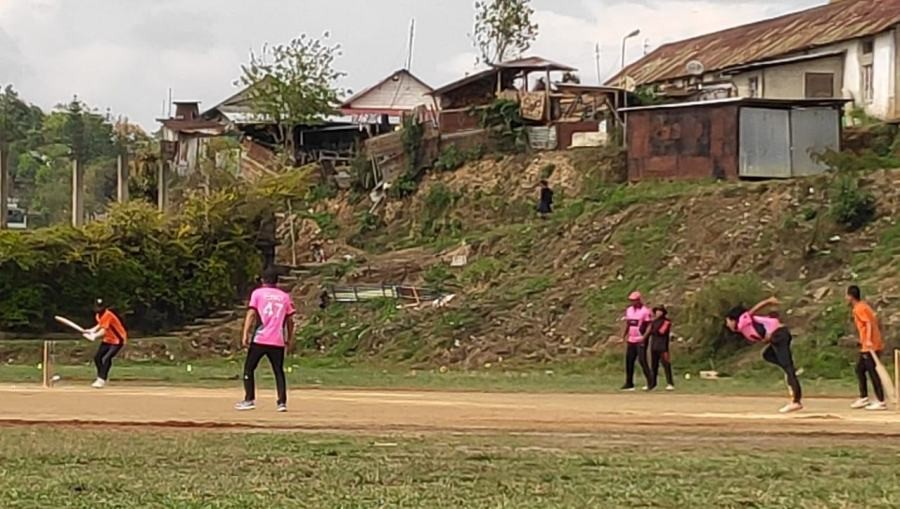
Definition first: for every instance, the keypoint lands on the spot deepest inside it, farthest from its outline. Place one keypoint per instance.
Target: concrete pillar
(77, 194)
(4, 189)
(162, 186)
(122, 176)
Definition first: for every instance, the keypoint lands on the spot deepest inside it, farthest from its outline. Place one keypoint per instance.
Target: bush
(157, 271)
(851, 206)
(451, 158)
(438, 202)
(704, 317)
(503, 119)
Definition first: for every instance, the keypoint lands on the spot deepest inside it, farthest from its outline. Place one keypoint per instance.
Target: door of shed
(813, 131)
(765, 147)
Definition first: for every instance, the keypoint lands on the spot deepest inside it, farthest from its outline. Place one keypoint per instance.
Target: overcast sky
(124, 54)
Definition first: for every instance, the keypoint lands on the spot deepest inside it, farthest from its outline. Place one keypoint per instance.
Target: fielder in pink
(272, 306)
(271, 312)
(637, 317)
(637, 321)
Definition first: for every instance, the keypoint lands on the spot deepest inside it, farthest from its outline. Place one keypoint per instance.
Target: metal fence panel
(813, 131)
(765, 143)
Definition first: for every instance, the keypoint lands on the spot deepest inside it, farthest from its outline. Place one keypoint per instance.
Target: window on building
(819, 85)
(868, 47)
(753, 86)
(868, 83)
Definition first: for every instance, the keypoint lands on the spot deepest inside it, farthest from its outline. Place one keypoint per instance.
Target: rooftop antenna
(170, 103)
(597, 59)
(412, 36)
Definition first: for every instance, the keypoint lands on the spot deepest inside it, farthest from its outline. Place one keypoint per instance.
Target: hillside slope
(538, 291)
(548, 290)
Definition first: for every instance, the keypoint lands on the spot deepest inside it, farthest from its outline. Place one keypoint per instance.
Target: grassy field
(68, 467)
(583, 377)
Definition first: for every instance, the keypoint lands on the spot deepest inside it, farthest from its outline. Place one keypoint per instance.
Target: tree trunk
(4, 187)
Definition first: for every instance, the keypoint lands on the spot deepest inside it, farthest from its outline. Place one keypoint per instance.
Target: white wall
(885, 73)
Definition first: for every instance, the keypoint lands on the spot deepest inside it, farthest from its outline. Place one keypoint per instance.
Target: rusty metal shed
(731, 138)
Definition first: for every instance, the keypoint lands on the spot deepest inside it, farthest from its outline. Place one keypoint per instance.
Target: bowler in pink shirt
(271, 311)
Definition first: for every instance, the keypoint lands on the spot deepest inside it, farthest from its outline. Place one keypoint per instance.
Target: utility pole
(122, 176)
(77, 194)
(597, 59)
(410, 46)
(162, 186)
(4, 188)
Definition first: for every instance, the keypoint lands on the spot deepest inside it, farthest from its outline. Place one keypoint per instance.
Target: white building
(844, 49)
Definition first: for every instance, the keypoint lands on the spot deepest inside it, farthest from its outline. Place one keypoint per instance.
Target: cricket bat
(77, 328)
(885, 377)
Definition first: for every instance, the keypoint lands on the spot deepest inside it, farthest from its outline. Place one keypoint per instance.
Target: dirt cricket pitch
(364, 411)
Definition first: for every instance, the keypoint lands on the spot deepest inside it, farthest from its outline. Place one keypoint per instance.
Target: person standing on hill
(272, 310)
(768, 329)
(114, 335)
(637, 319)
(659, 334)
(545, 202)
(870, 345)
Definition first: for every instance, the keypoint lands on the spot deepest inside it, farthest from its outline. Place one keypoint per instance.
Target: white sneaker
(245, 405)
(99, 383)
(860, 403)
(791, 407)
(645, 388)
(670, 387)
(877, 405)
(281, 408)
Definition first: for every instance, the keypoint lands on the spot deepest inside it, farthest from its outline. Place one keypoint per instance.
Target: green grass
(603, 375)
(77, 468)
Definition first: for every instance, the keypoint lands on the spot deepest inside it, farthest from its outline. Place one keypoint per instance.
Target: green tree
(86, 133)
(503, 29)
(18, 122)
(293, 84)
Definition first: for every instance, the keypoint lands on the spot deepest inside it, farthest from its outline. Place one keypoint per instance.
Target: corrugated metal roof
(772, 38)
(781, 61)
(522, 64)
(534, 63)
(744, 101)
(396, 77)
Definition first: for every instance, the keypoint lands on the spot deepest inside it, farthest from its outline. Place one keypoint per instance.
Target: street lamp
(636, 33)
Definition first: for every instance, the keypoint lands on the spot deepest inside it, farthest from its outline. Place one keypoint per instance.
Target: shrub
(451, 158)
(705, 312)
(437, 277)
(547, 171)
(851, 206)
(503, 119)
(438, 202)
(158, 271)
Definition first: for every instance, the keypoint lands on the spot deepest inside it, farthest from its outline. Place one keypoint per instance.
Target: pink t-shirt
(637, 319)
(749, 329)
(273, 307)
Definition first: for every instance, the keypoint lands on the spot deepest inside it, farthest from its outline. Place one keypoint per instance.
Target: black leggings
(103, 359)
(866, 366)
(655, 359)
(779, 354)
(275, 354)
(636, 351)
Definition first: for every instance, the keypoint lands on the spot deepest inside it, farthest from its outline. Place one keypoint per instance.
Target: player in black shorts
(659, 334)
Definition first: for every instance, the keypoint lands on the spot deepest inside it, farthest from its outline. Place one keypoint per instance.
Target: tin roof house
(388, 100)
(846, 49)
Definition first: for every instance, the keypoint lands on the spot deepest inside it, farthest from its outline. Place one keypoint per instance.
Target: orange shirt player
(871, 345)
(114, 335)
